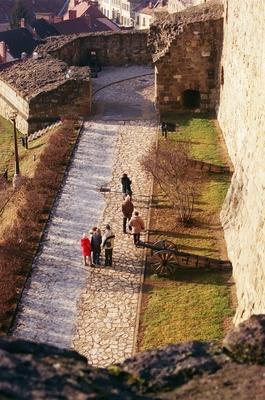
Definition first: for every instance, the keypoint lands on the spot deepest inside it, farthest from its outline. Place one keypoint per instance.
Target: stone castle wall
(187, 59)
(179, 5)
(241, 116)
(10, 101)
(112, 48)
(41, 92)
(69, 100)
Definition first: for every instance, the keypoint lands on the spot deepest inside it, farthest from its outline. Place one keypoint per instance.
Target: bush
(171, 169)
(17, 249)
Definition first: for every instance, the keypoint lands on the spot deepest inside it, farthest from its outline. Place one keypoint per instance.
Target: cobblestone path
(95, 310)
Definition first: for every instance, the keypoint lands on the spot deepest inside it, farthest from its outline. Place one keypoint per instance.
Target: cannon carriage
(166, 259)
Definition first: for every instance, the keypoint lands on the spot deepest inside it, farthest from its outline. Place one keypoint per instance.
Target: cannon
(163, 254)
(166, 258)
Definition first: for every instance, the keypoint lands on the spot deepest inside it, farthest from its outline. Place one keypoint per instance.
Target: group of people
(96, 242)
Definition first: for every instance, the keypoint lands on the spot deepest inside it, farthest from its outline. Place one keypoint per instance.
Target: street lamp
(12, 117)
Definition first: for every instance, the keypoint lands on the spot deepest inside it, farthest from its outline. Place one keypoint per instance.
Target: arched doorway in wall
(191, 99)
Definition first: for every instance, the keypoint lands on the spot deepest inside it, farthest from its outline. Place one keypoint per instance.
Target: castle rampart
(43, 90)
(112, 48)
(187, 49)
(241, 116)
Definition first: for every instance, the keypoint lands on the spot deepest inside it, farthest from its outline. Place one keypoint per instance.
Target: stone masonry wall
(70, 99)
(241, 117)
(10, 101)
(42, 91)
(127, 47)
(191, 61)
(178, 5)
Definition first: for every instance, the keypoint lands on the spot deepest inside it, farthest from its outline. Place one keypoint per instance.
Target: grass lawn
(191, 305)
(26, 162)
(6, 143)
(202, 133)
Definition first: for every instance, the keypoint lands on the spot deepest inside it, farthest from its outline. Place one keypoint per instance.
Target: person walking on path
(164, 129)
(86, 250)
(126, 186)
(108, 244)
(127, 210)
(96, 241)
(137, 225)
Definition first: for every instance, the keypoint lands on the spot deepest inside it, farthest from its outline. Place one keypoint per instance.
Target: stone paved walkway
(66, 304)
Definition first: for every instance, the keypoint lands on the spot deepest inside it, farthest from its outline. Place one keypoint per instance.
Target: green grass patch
(25, 156)
(190, 306)
(193, 304)
(201, 132)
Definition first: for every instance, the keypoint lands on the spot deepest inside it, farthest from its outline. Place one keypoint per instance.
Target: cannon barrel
(156, 247)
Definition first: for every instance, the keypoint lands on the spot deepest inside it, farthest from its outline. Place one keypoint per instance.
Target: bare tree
(169, 164)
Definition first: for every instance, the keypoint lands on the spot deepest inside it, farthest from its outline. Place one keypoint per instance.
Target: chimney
(72, 14)
(34, 33)
(150, 5)
(76, 2)
(22, 23)
(2, 52)
(88, 19)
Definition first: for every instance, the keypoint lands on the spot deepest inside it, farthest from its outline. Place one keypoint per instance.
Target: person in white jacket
(137, 225)
(108, 244)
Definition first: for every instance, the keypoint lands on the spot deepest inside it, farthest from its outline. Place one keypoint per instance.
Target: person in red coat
(86, 249)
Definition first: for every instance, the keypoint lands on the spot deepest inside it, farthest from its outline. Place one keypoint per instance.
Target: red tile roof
(93, 21)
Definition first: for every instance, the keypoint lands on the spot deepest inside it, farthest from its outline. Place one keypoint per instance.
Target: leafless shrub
(169, 165)
(18, 246)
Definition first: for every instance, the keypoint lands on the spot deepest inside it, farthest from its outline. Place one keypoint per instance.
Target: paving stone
(94, 310)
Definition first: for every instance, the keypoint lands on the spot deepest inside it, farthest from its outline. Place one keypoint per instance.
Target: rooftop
(28, 77)
(18, 41)
(48, 6)
(93, 21)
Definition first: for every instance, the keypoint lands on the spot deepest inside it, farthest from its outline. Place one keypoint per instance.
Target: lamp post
(17, 173)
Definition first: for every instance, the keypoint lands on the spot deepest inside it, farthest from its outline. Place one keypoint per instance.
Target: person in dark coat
(164, 129)
(126, 186)
(86, 249)
(127, 210)
(96, 241)
(108, 244)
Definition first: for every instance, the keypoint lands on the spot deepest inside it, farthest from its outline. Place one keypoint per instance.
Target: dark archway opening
(191, 99)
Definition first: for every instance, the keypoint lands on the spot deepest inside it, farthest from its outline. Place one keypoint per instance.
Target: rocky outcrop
(192, 370)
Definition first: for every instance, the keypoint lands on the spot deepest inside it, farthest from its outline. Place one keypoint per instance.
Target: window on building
(191, 99)
(108, 13)
(137, 20)
(143, 21)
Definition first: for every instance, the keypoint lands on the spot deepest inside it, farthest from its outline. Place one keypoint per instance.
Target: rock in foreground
(195, 370)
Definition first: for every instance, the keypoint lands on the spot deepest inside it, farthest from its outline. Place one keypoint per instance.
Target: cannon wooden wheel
(163, 262)
(164, 245)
